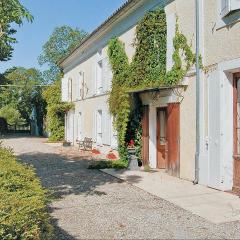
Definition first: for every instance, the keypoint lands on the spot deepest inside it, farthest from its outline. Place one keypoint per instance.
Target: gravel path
(93, 205)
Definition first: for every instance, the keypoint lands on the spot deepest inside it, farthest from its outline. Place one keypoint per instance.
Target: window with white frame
(80, 86)
(99, 129)
(80, 126)
(229, 6)
(99, 77)
(70, 89)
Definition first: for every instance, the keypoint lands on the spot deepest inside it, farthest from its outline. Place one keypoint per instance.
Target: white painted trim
(223, 163)
(230, 65)
(152, 136)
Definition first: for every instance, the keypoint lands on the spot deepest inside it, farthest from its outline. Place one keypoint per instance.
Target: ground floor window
(99, 126)
(79, 127)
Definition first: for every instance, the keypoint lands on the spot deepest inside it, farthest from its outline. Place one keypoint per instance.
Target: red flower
(96, 151)
(131, 143)
(111, 156)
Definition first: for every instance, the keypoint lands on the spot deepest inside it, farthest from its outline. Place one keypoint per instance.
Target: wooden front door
(236, 132)
(145, 135)
(173, 137)
(161, 138)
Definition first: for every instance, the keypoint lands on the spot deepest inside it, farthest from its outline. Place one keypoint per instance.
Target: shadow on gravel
(68, 175)
(15, 135)
(59, 233)
(65, 175)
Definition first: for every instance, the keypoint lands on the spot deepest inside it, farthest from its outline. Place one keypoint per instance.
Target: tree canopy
(60, 43)
(21, 91)
(12, 115)
(11, 11)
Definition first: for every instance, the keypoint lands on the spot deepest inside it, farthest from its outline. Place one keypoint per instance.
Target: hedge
(23, 201)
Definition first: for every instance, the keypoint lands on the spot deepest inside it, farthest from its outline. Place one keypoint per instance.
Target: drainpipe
(197, 96)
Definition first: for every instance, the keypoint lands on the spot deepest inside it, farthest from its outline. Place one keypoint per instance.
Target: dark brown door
(173, 137)
(145, 135)
(236, 132)
(161, 138)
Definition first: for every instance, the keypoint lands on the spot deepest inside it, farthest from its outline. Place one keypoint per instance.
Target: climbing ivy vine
(147, 69)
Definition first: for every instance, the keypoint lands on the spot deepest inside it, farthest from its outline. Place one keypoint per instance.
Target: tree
(22, 92)
(11, 11)
(61, 42)
(12, 115)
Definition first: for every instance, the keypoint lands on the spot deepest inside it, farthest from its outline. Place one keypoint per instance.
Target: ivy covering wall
(147, 69)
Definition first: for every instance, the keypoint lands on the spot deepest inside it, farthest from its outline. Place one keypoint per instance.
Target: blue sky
(48, 14)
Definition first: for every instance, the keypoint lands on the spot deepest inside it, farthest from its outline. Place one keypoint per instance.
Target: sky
(48, 14)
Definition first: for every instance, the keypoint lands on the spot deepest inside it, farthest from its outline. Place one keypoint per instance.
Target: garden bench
(86, 144)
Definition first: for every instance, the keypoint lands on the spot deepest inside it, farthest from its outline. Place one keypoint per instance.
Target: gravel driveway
(93, 205)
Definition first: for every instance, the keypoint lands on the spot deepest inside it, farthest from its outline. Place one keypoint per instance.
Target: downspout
(197, 96)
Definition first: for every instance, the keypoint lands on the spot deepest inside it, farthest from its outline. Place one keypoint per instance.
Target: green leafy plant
(104, 164)
(119, 104)
(11, 11)
(180, 68)
(12, 115)
(23, 202)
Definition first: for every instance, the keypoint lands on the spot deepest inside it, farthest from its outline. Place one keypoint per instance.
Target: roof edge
(99, 28)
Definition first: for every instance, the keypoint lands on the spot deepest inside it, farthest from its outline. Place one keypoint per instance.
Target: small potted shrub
(66, 144)
(131, 147)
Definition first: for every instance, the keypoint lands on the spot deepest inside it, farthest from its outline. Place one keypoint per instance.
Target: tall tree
(11, 11)
(60, 43)
(23, 93)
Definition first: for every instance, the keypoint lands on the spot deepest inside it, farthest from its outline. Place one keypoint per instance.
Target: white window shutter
(106, 128)
(107, 75)
(235, 5)
(95, 78)
(64, 89)
(94, 130)
(114, 141)
(78, 88)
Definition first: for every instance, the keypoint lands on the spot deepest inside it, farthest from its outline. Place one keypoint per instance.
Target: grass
(104, 164)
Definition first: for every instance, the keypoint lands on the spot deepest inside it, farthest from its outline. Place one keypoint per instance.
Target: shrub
(104, 164)
(23, 213)
(12, 115)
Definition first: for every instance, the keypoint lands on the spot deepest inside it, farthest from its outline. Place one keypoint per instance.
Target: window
(80, 126)
(162, 129)
(99, 77)
(80, 86)
(70, 89)
(99, 127)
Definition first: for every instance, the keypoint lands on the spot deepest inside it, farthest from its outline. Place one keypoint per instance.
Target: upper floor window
(70, 89)
(80, 86)
(228, 6)
(99, 77)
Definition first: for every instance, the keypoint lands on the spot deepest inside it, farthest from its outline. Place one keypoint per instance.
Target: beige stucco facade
(93, 102)
(220, 52)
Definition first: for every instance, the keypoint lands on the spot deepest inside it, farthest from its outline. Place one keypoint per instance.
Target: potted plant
(66, 143)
